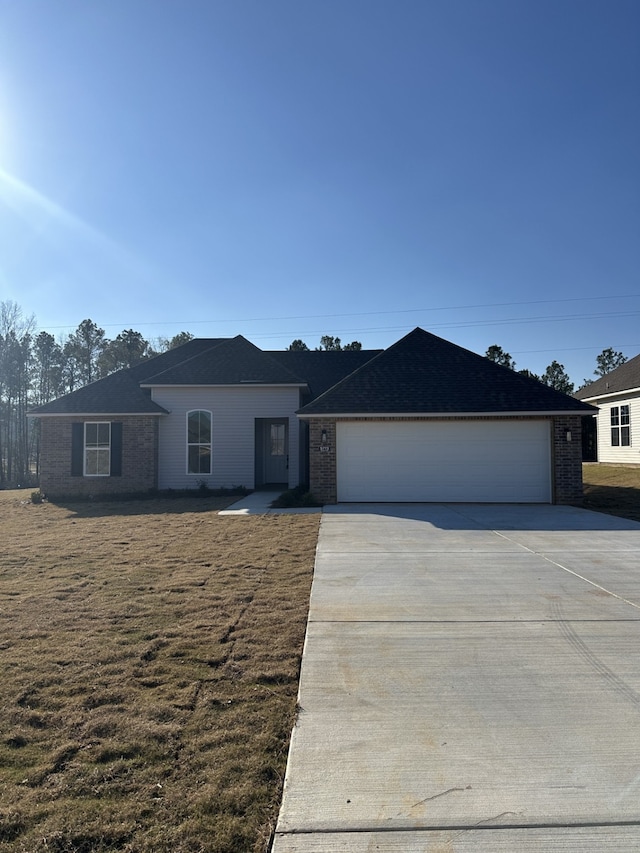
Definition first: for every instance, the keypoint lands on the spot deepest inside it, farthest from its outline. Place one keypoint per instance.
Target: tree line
(555, 375)
(36, 368)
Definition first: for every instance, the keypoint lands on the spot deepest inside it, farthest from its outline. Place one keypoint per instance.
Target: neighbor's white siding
(606, 451)
(234, 411)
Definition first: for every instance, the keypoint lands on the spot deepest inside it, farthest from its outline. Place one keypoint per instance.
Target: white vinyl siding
(607, 451)
(233, 412)
(456, 461)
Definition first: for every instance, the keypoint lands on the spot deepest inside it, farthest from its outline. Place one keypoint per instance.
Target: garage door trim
(497, 460)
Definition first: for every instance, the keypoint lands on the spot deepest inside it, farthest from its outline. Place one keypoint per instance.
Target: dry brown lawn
(614, 489)
(149, 660)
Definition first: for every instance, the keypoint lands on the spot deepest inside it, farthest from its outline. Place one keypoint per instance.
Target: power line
(572, 349)
(454, 325)
(378, 313)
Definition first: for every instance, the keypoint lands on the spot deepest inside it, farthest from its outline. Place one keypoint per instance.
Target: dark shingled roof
(420, 374)
(623, 378)
(423, 374)
(120, 393)
(321, 369)
(117, 394)
(234, 361)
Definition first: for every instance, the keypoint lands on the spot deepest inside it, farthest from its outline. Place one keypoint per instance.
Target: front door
(276, 452)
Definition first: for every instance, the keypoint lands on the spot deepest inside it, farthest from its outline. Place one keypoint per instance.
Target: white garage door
(456, 461)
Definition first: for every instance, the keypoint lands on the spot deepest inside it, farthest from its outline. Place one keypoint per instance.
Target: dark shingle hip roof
(420, 374)
(424, 374)
(120, 392)
(117, 394)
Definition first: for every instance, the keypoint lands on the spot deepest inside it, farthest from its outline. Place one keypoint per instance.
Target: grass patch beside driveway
(149, 659)
(614, 489)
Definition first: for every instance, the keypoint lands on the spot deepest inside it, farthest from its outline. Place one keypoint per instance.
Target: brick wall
(139, 458)
(322, 463)
(567, 460)
(566, 457)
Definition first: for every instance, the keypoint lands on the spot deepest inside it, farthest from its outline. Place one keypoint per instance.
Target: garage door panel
(479, 461)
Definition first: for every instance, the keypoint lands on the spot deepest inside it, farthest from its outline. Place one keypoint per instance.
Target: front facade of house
(422, 421)
(245, 436)
(617, 397)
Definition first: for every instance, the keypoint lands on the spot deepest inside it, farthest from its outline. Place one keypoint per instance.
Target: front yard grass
(149, 661)
(614, 489)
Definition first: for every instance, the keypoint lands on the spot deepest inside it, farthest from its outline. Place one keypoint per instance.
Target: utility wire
(375, 313)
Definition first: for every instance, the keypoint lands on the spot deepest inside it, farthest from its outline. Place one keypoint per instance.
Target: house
(617, 396)
(424, 420)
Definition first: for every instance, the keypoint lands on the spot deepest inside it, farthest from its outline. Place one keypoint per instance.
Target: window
(199, 442)
(277, 439)
(97, 449)
(620, 426)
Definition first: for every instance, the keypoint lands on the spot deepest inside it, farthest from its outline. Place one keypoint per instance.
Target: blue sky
(284, 169)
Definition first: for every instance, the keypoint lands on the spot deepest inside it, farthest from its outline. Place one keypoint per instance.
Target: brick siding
(566, 458)
(322, 463)
(139, 458)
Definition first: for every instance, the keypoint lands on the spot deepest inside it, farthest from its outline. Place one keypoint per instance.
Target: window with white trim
(199, 442)
(97, 449)
(620, 426)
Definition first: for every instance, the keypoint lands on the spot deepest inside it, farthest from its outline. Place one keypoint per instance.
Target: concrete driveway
(470, 682)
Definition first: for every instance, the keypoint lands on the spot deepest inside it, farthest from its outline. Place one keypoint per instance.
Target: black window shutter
(77, 449)
(116, 449)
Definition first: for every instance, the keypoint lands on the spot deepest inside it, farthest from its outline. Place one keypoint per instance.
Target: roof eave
(515, 414)
(247, 384)
(608, 394)
(97, 414)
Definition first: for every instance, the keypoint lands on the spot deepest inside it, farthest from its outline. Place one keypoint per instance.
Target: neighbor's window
(199, 442)
(97, 449)
(620, 426)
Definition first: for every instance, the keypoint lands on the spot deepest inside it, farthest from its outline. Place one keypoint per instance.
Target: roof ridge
(267, 354)
(218, 342)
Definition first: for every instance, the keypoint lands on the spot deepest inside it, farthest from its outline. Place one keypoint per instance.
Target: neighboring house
(424, 420)
(617, 396)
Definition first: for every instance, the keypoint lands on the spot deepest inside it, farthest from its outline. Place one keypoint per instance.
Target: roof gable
(423, 374)
(623, 378)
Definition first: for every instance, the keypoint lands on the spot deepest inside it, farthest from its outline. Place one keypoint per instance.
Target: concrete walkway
(470, 682)
(259, 503)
